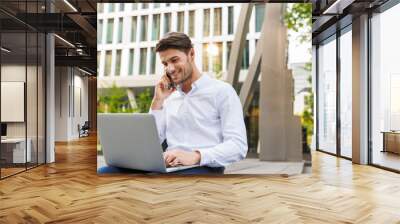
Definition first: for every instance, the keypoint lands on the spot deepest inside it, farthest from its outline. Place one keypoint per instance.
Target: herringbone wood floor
(70, 191)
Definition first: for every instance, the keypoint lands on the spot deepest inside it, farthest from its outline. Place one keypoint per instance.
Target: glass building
(128, 36)
(356, 80)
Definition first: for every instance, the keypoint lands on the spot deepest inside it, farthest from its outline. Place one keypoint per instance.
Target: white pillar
(360, 90)
(50, 99)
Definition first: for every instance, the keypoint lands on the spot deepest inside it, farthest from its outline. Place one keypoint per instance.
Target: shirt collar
(199, 83)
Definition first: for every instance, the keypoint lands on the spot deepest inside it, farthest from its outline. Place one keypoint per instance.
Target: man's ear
(191, 53)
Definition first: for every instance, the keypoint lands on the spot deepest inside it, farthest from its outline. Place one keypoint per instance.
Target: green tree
(307, 117)
(298, 18)
(143, 101)
(114, 100)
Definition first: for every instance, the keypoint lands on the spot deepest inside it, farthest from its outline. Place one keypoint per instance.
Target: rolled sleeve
(206, 156)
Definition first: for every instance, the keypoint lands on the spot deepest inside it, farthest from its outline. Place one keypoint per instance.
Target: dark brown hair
(175, 40)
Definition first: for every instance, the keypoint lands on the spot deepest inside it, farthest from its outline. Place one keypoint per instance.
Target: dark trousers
(194, 170)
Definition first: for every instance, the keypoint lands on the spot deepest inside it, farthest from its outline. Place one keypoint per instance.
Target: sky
(298, 52)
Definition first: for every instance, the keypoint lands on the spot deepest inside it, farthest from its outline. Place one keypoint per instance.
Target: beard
(186, 73)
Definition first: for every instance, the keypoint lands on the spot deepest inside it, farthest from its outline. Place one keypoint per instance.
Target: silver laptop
(131, 141)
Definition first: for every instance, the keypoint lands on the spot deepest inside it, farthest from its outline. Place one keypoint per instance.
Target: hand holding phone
(164, 88)
(171, 84)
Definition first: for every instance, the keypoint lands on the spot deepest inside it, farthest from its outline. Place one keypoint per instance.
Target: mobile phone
(171, 84)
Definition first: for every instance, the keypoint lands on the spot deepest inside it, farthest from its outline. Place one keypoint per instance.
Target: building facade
(128, 33)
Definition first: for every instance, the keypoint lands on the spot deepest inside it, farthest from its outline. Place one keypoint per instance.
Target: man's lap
(195, 170)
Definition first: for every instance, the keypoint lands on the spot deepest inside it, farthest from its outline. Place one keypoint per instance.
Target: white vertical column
(50, 99)
(360, 90)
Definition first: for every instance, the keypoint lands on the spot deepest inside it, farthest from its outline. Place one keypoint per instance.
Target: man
(200, 117)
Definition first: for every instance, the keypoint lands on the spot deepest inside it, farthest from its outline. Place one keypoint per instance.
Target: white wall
(71, 94)
(13, 73)
(33, 126)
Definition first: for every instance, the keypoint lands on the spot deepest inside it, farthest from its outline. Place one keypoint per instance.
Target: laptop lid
(131, 141)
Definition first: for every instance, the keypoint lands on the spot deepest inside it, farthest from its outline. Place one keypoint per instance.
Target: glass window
(145, 5)
(206, 24)
(98, 61)
(217, 58)
(99, 31)
(260, 9)
(191, 23)
(110, 30)
(107, 69)
(167, 22)
(156, 5)
(121, 7)
(15, 74)
(205, 57)
(118, 63)
(228, 51)
(100, 7)
(152, 61)
(217, 22)
(167, 4)
(134, 6)
(230, 20)
(131, 61)
(346, 94)
(385, 88)
(143, 31)
(41, 99)
(120, 30)
(180, 22)
(245, 57)
(156, 27)
(143, 61)
(22, 87)
(133, 29)
(31, 99)
(111, 7)
(327, 96)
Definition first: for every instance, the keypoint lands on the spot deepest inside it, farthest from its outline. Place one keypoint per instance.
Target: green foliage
(143, 101)
(116, 100)
(307, 117)
(307, 67)
(298, 17)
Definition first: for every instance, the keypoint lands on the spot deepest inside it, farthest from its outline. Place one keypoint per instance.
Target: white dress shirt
(208, 119)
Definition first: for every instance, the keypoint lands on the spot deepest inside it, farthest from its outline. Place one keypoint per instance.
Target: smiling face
(177, 64)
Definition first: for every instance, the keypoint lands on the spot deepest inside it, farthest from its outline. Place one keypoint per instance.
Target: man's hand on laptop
(178, 157)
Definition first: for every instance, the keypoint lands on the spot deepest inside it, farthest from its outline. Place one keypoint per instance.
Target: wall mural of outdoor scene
(130, 67)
